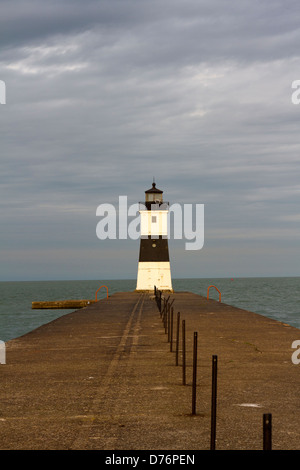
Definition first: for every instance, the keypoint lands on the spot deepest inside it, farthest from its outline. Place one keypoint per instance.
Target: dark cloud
(104, 95)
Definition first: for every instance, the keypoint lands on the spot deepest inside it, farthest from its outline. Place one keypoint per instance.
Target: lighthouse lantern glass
(153, 197)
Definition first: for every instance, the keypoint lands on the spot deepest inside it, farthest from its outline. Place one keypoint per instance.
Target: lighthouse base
(151, 273)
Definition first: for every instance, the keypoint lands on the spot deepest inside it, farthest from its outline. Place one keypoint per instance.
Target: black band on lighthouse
(154, 249)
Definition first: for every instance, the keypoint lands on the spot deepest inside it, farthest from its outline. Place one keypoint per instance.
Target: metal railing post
(213, 403)
(183, 354)
(194, 386)
(267, 431)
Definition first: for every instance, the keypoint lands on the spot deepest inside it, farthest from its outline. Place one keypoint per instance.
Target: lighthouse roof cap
(154, 189)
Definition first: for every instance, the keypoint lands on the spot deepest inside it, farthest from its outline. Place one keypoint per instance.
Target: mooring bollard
(213, 403)
(194, 373)
(267, 431)
(183, 354)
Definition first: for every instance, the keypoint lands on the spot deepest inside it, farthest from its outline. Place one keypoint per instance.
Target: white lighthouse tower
(154, 264)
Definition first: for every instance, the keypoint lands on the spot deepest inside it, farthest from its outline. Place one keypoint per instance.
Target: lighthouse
(154, 263)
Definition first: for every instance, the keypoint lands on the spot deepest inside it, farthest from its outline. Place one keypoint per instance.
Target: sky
(103, 96)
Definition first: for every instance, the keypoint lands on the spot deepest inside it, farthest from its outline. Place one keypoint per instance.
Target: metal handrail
(99, 289)
(217, 290)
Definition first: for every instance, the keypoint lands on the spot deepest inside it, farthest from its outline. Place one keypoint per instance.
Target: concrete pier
(104, 377)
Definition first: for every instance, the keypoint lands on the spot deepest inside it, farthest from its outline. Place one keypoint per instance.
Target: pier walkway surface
(105, 377)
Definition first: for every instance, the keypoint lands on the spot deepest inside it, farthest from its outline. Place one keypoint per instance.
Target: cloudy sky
(104, 95)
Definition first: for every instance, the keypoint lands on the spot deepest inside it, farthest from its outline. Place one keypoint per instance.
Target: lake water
(273, 297)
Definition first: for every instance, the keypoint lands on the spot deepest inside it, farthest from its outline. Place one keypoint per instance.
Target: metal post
(166, 317)
(267, 431)
(213, 403)
(177, 337)
(169, 321)
(171, 332)
(164, 310)
(162, 307)
(169, 325)
(183, 354)
(194, 373)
